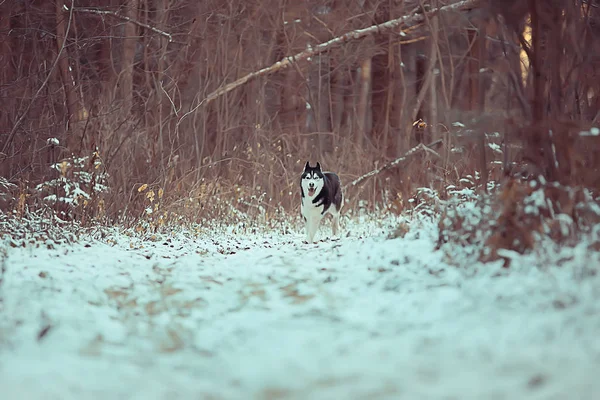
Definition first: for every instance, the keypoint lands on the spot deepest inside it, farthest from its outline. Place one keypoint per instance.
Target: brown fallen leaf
(153, 308)
(172, 343)
(292, 291)
(115, 293)
(170, 290)
(193, 303)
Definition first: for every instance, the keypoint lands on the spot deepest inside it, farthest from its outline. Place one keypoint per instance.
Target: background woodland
(109, 107)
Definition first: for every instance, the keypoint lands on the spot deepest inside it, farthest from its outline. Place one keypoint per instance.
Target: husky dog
(321, 194)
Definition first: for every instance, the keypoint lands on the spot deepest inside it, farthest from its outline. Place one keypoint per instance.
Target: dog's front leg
(312, 226)
(335, 225)
(307, 225)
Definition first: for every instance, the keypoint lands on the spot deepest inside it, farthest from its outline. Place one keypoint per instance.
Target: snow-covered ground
(264, 316)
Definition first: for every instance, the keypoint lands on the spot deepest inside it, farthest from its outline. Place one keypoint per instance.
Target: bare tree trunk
(106, 69)
(338, 89)
(389, 99)
(324, 102)
(554, 34)
(363, 101)
(129, 43)
(72, 102)
(382, 95)
(424, 77)
(433, 102)
(539, 141)
(407, 62)
(319, 89)
(536, 64)
(473, 68)
(162, 7)
(476, 97)
(6, 69)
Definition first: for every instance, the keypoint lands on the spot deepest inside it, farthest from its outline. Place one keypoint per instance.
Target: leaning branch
(393, 25)
(124, 18)
(420, 148)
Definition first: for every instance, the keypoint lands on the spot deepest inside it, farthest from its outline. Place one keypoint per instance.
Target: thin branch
(168, 97)
(429, 76)
(124, 18)
(420, 148)
(392, 25)
(13, 131)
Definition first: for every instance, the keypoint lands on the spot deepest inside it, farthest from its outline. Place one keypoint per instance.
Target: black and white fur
(321, 194)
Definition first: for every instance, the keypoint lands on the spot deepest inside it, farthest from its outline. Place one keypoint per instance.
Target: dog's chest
(310, 210)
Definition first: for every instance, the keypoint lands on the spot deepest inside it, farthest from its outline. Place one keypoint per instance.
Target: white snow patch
(495, 147)
(249, 315)
(296, 21)
(323, 10)
(592, 132)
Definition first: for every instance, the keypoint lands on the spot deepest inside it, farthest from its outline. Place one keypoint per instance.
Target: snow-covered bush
(425, 202)
(465, 222)
(78, 188)
(517, 218)
(35, 228)
(6, 191)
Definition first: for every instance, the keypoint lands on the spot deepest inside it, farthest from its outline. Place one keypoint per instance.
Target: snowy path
(354, 319)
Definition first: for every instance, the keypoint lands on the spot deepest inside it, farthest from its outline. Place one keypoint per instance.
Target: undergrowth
(517, 217)
(482, 221)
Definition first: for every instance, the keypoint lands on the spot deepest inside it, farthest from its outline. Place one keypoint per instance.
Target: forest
(229, 98)
(151, 211)
(167, 110)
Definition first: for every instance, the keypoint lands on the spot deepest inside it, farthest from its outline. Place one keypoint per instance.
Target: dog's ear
(307, 166)
(318, 166)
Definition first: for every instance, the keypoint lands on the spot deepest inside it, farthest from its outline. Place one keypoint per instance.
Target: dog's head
(312, 180)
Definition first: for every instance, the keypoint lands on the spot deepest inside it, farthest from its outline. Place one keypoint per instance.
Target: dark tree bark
(364, 97)
(128, 56)
(6, 68)
(71, 100)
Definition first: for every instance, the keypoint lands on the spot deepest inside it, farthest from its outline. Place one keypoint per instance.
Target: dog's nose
(311, 185)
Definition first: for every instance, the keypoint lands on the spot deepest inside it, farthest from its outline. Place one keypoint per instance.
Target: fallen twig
(392, 25)
(415, 150)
